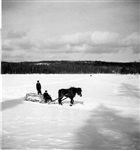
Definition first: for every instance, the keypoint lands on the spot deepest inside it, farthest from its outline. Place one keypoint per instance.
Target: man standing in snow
(46, 97)
(38, 87)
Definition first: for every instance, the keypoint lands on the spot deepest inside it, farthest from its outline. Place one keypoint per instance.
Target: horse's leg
(71, 102)
(60, 101)
(59, 98)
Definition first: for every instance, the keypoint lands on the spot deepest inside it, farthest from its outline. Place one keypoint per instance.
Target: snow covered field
(106, 117)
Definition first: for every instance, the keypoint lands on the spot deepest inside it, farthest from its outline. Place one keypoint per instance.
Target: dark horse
(69, 93)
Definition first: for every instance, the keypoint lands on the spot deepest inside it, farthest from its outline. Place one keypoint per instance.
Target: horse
(69, 93)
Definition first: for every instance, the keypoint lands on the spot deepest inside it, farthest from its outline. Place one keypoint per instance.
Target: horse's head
(79, 91)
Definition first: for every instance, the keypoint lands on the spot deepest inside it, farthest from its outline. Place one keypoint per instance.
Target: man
(38, 87)
(46, 97)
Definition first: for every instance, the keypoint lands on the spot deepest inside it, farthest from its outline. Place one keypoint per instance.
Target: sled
(33, 97)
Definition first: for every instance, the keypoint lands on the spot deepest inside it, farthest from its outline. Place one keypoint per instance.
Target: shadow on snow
(129, 90)
(11, 103)
(107, 130)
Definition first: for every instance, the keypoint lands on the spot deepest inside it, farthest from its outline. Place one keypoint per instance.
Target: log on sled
(33, 97)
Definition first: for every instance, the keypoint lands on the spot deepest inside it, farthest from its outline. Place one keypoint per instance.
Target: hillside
(69, 67)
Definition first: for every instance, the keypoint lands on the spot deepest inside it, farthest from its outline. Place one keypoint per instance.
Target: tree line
(70, 67)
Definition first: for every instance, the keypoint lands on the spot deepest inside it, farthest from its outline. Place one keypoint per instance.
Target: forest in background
(70, 67)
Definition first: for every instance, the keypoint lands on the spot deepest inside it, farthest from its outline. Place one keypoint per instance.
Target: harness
(57, 99)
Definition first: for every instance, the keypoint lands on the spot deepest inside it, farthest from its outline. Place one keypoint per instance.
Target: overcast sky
(105, 30)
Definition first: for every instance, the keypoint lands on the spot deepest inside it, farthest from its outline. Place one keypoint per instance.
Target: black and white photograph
(70, 72)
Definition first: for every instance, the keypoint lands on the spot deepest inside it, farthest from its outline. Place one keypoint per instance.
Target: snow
(105, 117)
